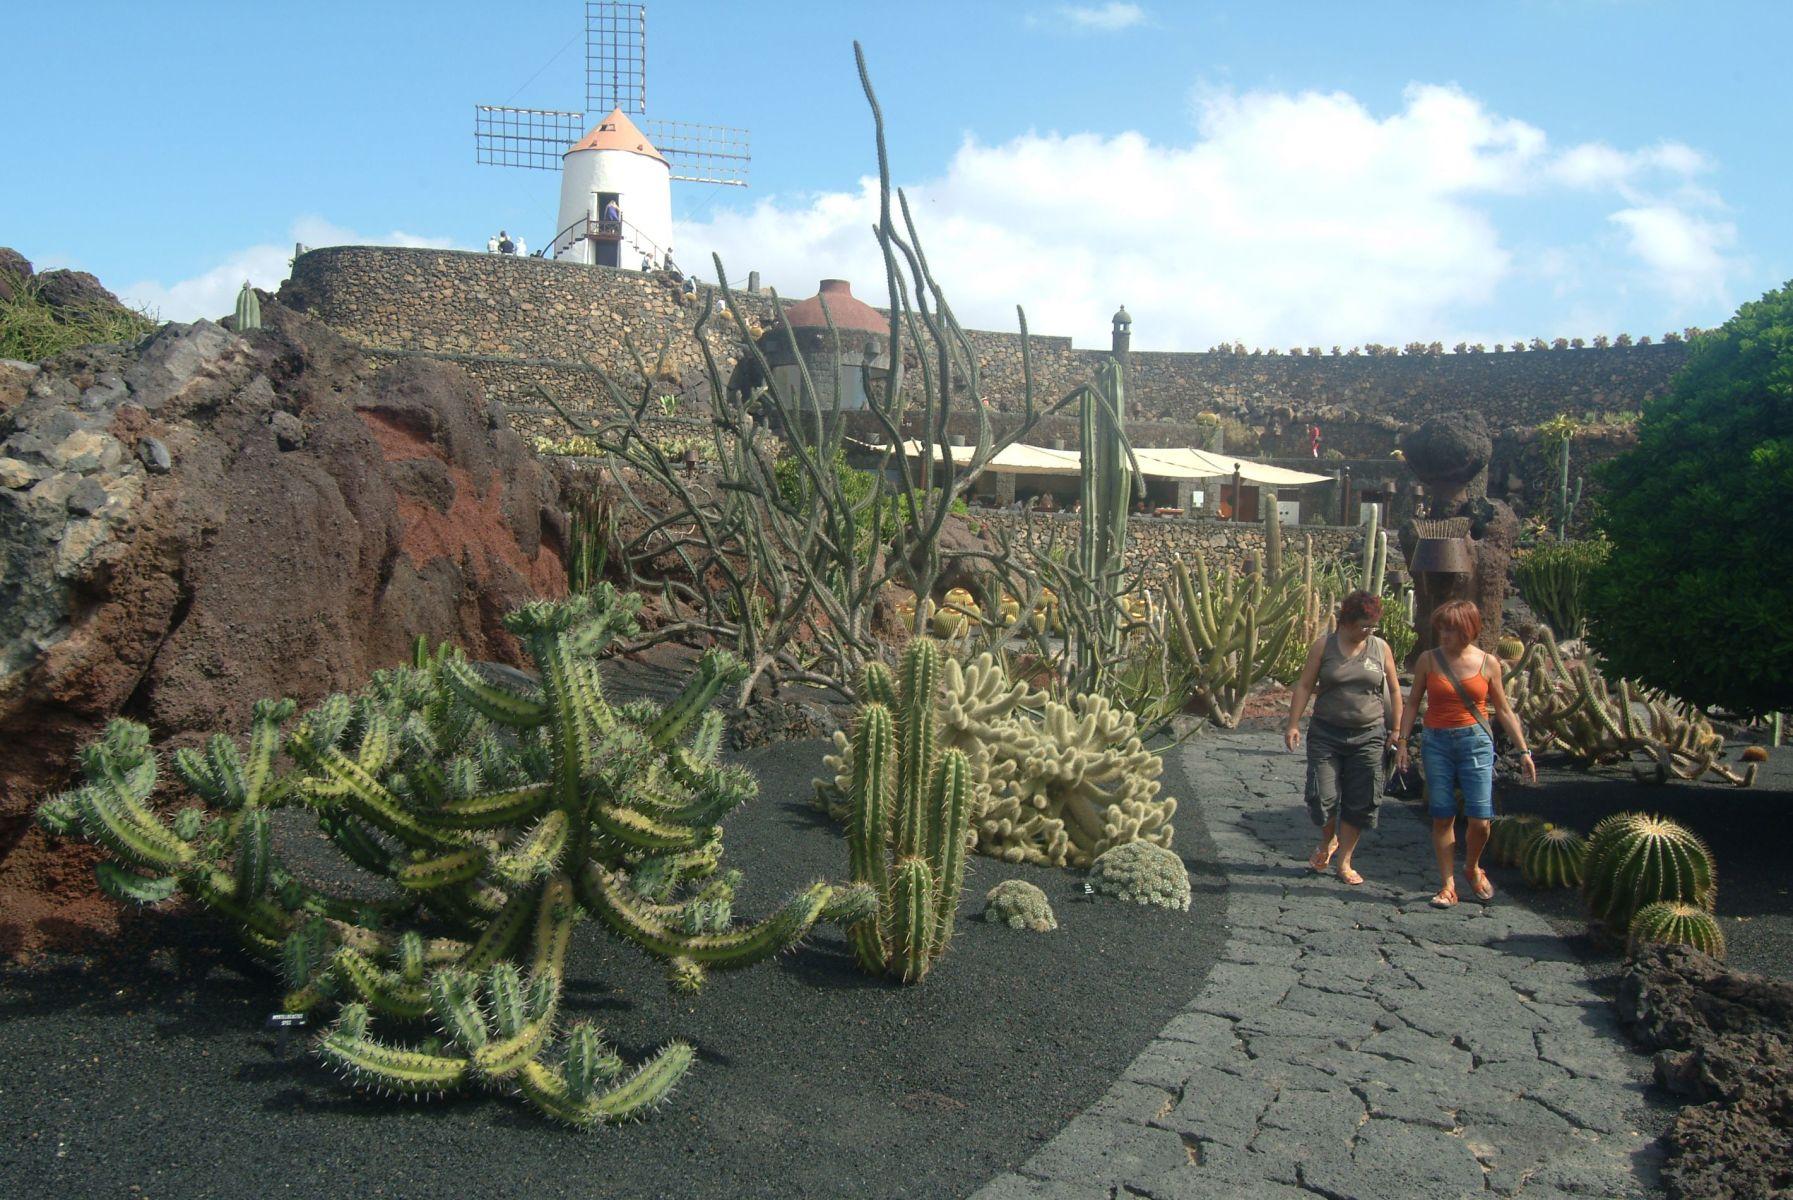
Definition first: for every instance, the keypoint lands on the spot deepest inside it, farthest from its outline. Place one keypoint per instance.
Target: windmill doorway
(607, 233)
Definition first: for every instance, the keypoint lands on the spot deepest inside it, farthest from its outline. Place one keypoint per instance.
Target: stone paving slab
(1355, 1042)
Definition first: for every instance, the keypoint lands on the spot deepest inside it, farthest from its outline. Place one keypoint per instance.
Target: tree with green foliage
(1697, 594)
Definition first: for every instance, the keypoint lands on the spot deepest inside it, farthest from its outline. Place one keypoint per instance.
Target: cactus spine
(1670, 923)
(1634, 860)
(248, 309)
(1554, 858)
(501, 844)
(909, 821)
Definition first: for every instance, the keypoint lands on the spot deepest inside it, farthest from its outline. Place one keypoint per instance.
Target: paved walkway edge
(1355, 1043)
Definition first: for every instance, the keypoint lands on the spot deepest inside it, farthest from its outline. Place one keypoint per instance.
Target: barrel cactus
(488, 818)
(1671, 923)
(1019, 905)
(1554, 858)
(1634, 860)
(1510, 836)
(908, 828)
(248, 309)
(1143, 873)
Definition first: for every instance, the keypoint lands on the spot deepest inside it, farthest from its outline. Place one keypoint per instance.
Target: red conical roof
(848, 313)
(617, 132)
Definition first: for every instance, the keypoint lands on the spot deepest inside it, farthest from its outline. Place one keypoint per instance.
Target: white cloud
(1286, 218)
(1094, 18)
(213, 292)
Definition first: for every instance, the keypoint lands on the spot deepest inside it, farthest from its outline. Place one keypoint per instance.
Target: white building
(614, 163)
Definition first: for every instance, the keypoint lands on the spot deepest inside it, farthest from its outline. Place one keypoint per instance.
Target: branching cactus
(1229, 634)
(909, 822)
(495, 815)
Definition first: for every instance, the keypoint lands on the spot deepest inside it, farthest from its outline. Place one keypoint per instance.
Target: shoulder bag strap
(1443, 668)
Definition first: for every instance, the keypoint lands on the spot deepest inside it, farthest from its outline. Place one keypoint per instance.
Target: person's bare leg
(1328, 843)
(1348, 835)
(1474, 842)
(1444, 845)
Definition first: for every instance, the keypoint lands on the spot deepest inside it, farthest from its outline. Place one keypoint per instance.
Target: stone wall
(1153, 542)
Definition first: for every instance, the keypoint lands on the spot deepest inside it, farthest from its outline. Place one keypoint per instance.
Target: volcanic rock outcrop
(208, 518)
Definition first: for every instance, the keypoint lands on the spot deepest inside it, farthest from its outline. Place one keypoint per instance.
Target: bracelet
(1525, 754)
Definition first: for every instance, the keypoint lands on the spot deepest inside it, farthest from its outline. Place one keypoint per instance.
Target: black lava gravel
(148, 1075)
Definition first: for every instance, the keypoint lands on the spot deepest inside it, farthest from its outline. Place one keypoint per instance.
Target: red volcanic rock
(319, 513)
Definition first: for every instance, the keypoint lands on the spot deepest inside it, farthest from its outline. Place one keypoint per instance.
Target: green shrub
(31, 330)
(1696, 514)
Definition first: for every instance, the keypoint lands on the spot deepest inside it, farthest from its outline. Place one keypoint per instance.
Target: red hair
(1458, 616)
(1358, 606)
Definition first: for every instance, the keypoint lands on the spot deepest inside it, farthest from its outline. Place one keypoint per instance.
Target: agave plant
(490, 816)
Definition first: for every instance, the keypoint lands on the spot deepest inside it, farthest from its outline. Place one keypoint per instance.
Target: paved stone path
(1355, 1043)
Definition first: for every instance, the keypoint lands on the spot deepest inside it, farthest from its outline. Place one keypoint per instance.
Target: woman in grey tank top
(1351, 675)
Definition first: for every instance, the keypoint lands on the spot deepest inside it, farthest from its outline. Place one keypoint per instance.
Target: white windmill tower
(616, 175)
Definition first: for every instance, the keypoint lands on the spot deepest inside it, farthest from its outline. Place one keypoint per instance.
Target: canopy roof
(1155, 463)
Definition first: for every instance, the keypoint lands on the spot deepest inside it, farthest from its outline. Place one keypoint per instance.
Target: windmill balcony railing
(593, 229)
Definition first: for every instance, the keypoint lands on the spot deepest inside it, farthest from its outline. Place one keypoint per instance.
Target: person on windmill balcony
(505, 245)
(612, 214)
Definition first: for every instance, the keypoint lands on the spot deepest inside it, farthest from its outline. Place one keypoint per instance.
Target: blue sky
(1283, 174)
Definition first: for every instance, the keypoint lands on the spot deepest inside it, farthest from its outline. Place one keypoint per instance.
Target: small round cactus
(1510, 836)
(1635, 860)
(1019, 905)
(1670, 923)
(1554, 858)
(1143, 872)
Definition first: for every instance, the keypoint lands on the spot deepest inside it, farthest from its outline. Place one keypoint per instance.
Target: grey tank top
(1351, 691)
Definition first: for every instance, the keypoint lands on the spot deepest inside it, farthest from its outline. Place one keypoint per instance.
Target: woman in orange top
(1459, 747)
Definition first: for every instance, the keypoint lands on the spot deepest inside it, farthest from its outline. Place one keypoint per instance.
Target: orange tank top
(1443, 709)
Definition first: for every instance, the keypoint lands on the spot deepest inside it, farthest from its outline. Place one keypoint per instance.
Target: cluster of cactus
(1509, 837)
(909, 818)
(1672, 923)
(1229, 634)
(1554, 858)
(1554, 578)
(492, 814)
(1573, 708)
(1635, 860)
(1142, 873)
(1052, 784)
(1019, 905)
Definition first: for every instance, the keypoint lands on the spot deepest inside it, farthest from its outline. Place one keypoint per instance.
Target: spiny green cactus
(1509, 837)
(1272, 537)
(1369, 578)
(1554, 858)
(1671, 923)
(1229, 635)
(496, 816)
(1142, 873)
(1635, 860)
(248, 309)
(1106, 486)
(909, 822)
(1019, 905)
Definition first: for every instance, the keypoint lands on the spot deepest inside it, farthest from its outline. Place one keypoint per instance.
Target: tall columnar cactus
(248, 309)
(1554, 858)
(909, 822)
(1102, 528)
(488, 818)
(1229, 635)
(1634, 860)
(1566, 502)
(1670, 923)
(1272, 537)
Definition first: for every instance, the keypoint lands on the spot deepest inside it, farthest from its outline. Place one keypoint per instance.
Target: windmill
(616, 166)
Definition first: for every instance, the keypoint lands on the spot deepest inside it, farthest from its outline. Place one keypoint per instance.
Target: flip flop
(1349, 875)
(1318, 860)
(1444, 900)
(1484, 890)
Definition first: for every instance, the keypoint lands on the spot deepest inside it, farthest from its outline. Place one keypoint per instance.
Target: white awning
(1154, 462)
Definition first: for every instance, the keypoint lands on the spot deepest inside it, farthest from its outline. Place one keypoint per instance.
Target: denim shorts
(1463, 757)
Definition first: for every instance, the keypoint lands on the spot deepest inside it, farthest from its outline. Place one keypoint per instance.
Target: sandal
(1349, 875)
(1445, 899)
(1317, 861)
(1481, 885)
